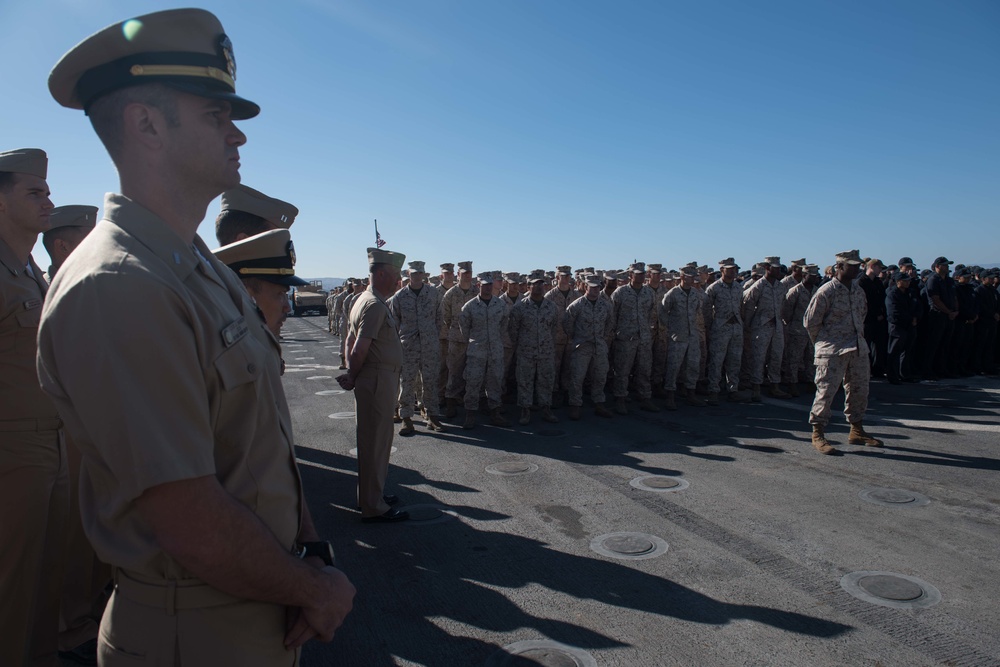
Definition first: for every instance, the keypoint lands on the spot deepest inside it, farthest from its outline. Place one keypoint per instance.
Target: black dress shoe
(388, 500)
(391, 516)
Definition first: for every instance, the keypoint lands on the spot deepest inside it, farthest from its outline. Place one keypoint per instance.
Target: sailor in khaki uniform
(374, 362)
(68, 226)
(248, 212)
(188, 484)
(33, 479)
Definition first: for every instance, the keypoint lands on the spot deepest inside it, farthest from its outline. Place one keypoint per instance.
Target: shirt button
(251, 368)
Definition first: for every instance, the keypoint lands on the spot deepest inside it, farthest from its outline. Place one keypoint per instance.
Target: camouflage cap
(497, 275)
(512, 276)
(379, 256)
(366, 280)
(448, 267)
(637, 267)
(702, 269)
(486, 277)
(797, 262)
(728, 263)
(269, 256)
(611, 274)
(849, 257)
(242, 198)
(465, 266)
(772, 261)
(654, 268)
(588, 269)
(593, 280)
(185, 49)
(31, 161)
(811, 269)
(689, 272)
(564, 271)
(537, 276)
(522, 278)
(74, 215)
(416, 267)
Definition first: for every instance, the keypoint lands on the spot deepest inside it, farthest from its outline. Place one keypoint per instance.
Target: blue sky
(529, 133)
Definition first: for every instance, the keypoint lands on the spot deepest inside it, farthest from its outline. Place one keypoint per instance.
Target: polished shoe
(388, 499)
(391, 516)
(84, 654)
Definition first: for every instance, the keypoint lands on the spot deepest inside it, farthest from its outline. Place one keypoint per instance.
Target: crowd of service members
(688, 335)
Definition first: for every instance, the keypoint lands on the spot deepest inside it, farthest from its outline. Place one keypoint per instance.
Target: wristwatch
(321, 550)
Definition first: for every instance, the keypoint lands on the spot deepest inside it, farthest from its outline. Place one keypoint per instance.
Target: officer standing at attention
(68, 226)
(835, 320)
(33, 480)
(374, 361)
(189, 485)
(248, 212)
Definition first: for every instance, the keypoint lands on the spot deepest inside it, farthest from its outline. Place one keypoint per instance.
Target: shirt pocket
(239, 369)
(26, 335)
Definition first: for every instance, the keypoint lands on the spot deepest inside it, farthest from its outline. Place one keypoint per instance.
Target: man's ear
(144, 124)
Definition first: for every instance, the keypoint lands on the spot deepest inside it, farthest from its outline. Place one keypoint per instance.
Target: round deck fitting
(659, 483)
(889, 589)
(629, 546)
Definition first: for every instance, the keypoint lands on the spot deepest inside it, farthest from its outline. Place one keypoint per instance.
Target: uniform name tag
(31, 304)
(234, 332)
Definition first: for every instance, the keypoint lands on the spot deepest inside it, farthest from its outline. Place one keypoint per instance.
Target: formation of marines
(173, 461)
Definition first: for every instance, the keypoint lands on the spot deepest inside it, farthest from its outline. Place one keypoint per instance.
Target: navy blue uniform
(901, 311)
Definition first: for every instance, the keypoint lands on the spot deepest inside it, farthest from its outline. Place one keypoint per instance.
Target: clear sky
(523, 134)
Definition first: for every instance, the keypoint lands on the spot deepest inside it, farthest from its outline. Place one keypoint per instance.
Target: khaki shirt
(21, 297)
(163, 371)
(835, 319)
(371, 318)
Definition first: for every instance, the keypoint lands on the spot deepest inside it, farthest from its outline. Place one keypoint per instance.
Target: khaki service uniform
(376, 389)
(178, 378)
(34, 485)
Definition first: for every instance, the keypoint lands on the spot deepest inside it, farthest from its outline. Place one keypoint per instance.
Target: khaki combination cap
(269, 256)
(242, 198)
(772, 261)
(377, 256)
(416, 267)
(74, 215)
(849, 257)
(31, 161)
(185, 49)
(449, 267)
(465, 266)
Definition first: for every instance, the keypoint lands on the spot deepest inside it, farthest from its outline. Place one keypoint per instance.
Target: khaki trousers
(375, 394)
(189, 624)
(34, 500)
(81, 600)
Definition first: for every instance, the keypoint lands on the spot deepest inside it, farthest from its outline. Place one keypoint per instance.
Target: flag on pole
(378, 237)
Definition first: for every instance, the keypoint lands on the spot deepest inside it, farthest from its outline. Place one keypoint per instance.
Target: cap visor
(243, 109)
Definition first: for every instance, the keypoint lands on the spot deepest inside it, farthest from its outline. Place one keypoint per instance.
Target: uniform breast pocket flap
(240, 364)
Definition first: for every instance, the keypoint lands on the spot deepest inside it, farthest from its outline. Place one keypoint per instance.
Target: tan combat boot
(548, 416)
(451, 408)
(671, 400)
(755, 394)
(774, 391)
(574, 412)
(434, 424)
(620, 406)
(602, 411)
(713, 398)
(470, 419)
(820, 442)
(859, 437)
(497, 418)
(407, 427)
(525, 416)
(692, 399)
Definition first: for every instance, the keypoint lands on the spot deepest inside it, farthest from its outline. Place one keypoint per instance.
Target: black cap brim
(243, 109)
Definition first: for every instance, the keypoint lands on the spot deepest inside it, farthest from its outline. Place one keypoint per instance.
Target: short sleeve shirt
(163, 371)
(371, 318)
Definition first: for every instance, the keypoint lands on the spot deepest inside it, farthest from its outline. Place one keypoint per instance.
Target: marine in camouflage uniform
(562, 295)
(451, 307)
(417, 309)
(510, 296)
(679, 312)
(533, 323)
(482, 322)
(634, 307)
(762, 318)
(797, 362)
(835, 320)
(723, 313)
(331, 314)
(658, 369)
(589, 326)
(445, 283)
